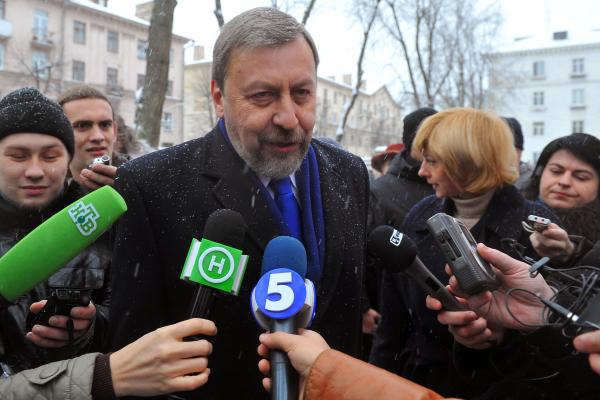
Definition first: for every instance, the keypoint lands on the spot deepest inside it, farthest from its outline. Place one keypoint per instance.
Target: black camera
(60, 302)
(100, 160)
(473, 274)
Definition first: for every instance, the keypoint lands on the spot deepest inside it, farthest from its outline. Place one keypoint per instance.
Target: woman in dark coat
(470, 161)
(566, 178)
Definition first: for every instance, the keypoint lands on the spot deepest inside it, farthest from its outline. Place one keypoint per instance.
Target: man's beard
(275, 166)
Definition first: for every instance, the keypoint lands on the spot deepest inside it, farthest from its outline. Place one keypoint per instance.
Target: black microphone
(223, 228)
(283, 301)
(399, 254)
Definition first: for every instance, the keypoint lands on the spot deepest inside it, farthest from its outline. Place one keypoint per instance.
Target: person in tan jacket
(329, 374)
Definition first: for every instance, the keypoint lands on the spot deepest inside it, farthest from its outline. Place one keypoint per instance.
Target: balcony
(42, 38)
(5, 29)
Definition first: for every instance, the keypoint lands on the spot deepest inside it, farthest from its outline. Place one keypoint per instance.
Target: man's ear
(217, 96)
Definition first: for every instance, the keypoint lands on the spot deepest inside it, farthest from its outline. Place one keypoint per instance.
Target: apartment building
(55, 44)
(375, 120)
(550, 83)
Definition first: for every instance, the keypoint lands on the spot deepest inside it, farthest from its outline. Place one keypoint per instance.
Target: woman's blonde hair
(475, 147)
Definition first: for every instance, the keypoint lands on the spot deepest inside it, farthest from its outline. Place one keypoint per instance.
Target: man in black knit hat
(392, 196)
(36, 146)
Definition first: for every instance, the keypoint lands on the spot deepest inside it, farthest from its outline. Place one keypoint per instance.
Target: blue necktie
(287, 204)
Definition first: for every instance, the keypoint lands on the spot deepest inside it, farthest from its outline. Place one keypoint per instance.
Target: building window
(78, 71)
(577, 127)
(538, 99)
(141, 78)
(170, 88)
(538, 69)
(40, 25)
(2, 9)
(112, 41)
(561, 35)
(577, 66)
(578, 98)
(1, 56)
(170, 56)
(535, 156)
(167, 121)
(538, 129)
(41, 66)
(112, 77)
(142, 46)
(79, 32)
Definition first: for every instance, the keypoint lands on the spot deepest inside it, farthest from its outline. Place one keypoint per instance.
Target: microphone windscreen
(226, 227)
(284, 252)
(58, 240)
(396, 250)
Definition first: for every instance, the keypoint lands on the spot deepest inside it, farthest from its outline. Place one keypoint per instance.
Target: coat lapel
(336, 198)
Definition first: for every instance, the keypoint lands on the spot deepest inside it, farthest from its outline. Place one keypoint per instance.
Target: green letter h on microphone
(216, 265)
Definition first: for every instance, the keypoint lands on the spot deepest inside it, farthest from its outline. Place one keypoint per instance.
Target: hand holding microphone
(283, 301)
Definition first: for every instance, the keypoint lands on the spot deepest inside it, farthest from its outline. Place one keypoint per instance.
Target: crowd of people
(132, 339)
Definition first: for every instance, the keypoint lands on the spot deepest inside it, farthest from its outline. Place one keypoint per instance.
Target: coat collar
(505, 201)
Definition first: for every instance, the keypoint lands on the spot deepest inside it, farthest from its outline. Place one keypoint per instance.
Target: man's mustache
(283, 136)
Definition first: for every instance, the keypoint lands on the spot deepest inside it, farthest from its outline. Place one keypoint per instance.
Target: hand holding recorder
(548, 239)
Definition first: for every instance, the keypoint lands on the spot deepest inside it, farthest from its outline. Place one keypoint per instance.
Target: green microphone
(58, 240)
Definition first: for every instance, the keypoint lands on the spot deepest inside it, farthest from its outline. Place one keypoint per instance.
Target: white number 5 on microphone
(278, 285)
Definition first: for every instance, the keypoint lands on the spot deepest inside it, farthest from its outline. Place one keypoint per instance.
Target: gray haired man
(264, 91)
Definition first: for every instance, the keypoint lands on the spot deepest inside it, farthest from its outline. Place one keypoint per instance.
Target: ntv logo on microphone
(84, 216)
(214, 264)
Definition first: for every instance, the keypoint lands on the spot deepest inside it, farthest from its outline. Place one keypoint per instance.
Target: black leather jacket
(88, 270)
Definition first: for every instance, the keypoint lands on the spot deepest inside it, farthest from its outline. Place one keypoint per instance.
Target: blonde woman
(469, 158)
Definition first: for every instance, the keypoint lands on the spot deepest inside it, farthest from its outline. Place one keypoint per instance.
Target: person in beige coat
(159, 362)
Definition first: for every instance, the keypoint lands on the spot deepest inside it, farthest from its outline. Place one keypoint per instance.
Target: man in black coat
(264, 91)
(391, 198)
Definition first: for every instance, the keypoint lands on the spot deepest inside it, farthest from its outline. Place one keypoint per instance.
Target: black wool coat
(170, 194)
(396, 192)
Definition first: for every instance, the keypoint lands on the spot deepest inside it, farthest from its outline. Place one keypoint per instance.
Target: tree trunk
(157, 71)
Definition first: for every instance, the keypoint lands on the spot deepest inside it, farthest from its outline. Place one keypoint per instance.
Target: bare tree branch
(444, 45)
(396, 33)
(307, 12)
(359, 73)
(219, 13)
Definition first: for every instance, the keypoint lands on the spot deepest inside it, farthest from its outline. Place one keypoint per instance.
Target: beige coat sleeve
(67, 379)
(337, 376)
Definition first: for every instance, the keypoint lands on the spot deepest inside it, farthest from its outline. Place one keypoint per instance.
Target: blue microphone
(283, 301)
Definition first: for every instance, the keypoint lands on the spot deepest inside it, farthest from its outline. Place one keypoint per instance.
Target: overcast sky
(338, 38)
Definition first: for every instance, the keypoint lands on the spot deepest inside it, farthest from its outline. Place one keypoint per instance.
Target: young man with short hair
(93, 120)
(36, 145)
